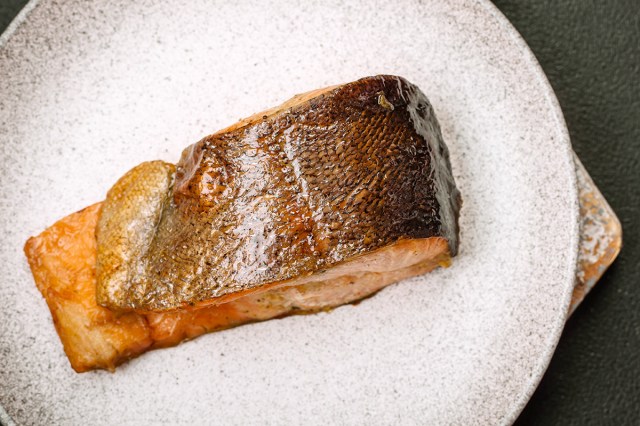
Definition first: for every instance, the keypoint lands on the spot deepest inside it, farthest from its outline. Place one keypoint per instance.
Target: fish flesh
(63, 263)
(318, 189)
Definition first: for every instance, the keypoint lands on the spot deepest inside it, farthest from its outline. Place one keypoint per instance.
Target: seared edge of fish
(63, 258)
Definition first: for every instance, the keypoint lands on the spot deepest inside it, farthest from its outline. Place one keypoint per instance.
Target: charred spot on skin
(384, 103)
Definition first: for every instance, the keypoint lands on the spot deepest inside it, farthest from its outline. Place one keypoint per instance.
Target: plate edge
(552, 341)
(17, 22)
(5, 418)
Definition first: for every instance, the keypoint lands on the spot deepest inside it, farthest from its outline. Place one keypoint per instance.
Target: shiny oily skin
(63, 259)
(326, 177)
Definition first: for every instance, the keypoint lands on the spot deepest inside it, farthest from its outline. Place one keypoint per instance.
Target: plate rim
(539, 368)
(559, 322)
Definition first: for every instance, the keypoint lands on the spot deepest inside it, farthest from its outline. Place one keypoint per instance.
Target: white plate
(90, 89)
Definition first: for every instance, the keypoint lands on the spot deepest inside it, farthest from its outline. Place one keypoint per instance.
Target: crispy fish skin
(63, 262)
(131, 223)
(281, 198)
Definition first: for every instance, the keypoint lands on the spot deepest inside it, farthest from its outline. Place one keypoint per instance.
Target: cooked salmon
(320, 189)
(319, 202)
(63, 261)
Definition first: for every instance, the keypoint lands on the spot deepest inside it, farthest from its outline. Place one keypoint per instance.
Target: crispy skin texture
(63, 260)
(279, 199)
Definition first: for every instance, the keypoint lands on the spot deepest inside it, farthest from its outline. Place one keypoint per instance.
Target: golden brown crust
(329, 176)
(127, 225)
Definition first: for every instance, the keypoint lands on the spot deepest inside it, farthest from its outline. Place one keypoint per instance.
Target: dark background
(590, 51)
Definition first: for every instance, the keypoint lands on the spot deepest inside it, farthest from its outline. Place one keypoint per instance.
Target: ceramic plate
(90, 89)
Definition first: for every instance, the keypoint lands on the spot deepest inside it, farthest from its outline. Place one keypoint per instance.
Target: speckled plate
(90, 89)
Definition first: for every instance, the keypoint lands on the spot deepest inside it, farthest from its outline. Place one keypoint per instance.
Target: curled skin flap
(127, 226)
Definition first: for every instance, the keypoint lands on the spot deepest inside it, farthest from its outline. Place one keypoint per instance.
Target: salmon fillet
(63, 262)
(319, 202)
(305, 192)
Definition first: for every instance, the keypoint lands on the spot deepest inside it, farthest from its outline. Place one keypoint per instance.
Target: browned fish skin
(128, 222)
(63, 261)
(302, 188)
